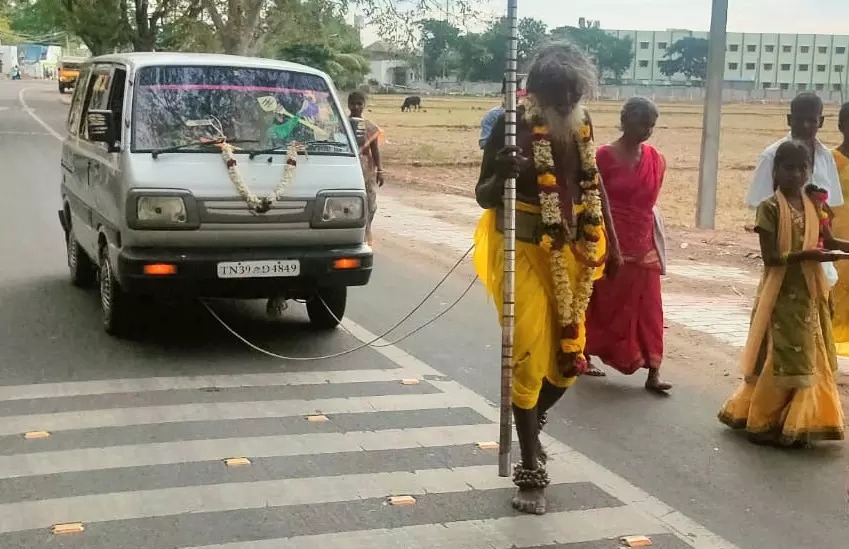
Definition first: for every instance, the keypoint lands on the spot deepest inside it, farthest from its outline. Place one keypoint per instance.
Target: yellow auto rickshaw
(69, 71)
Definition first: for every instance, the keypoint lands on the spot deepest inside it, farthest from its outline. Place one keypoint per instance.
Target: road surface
(139, 430)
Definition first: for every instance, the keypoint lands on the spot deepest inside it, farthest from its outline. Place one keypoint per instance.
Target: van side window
(116, 101)
(96, 95)
(77, 102)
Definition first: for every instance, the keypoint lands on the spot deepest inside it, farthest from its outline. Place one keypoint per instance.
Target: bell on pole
(508, 311)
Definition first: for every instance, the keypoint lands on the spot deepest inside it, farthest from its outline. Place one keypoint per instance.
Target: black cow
(412, 102)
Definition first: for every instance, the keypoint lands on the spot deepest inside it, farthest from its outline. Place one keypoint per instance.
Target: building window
(822, 49)
(751, 48)
(734, 47)
(819, 87)
(767, 85)
(841, 50)
(821, 68)
(768, 66)
(662, 45)
(785, 86)
(644, 45)
(769, 49)
(785, 67)
(786, 49)
(733, 66)
(750, 66)
(803, 68)
(644, 64)
(805, 49)
(837, 87)
(801, 87)
(838, 68)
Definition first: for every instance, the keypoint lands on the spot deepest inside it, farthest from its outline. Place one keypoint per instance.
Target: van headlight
(167, 210)
(342, 209)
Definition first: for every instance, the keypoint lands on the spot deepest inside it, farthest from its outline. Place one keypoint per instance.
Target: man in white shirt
(805, 120)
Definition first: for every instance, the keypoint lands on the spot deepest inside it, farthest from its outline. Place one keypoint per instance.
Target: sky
(786, 16)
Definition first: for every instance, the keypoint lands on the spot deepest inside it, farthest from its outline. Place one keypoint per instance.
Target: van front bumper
(194, 273)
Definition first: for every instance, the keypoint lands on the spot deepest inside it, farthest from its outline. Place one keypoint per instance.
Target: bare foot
(654, 383)
(542, 455)
(592, 371)
(275, 307)
(530, 500)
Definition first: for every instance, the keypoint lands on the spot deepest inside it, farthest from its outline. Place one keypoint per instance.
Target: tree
(532, 34)
(347, 70)
(687, 56)
(439, 40)
(611, 54)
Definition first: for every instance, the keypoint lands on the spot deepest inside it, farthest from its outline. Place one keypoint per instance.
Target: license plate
(259, 269)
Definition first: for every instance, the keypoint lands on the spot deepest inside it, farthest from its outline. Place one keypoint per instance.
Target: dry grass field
(437, 148)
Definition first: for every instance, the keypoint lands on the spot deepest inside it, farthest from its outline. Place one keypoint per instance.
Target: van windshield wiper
(156, 152)
(281, 148)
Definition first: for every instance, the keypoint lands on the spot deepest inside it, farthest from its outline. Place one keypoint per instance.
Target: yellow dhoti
(537, 331)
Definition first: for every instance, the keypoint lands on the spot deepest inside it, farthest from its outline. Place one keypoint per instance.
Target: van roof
(147, 59)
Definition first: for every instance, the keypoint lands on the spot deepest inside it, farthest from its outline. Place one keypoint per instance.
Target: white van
(211, 176)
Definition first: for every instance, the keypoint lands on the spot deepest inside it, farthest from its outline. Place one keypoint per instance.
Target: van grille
(235, 211)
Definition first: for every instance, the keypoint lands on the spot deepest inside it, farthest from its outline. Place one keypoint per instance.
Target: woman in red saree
(625, 316)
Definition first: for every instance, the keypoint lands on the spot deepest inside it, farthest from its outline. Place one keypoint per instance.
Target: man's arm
(835, 190)
(489, 190)
(761, 186)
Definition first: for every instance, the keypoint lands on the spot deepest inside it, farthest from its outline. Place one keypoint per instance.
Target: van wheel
(83, 272)
(61, 88)
(116, 306)
(334, 299)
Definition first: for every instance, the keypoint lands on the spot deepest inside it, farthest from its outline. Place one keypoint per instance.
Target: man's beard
(561, 125)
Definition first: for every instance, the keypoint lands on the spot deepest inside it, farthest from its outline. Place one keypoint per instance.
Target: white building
(389, 67)
(768, 61)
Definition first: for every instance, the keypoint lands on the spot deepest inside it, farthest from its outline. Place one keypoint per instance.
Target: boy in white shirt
(805, 120)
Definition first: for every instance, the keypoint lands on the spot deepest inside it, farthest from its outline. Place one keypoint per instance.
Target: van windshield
(256, 109)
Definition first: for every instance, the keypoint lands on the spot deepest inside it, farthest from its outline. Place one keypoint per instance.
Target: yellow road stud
(318, 418)
(32, 435)
(488, 445)
(402, 501)
(636, 541)
(410, 382)
(237, 462)
(68, 528)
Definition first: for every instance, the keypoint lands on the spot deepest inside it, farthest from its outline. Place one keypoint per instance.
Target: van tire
(116, 306)
(334, 298)
(61, 88)
(82, 270)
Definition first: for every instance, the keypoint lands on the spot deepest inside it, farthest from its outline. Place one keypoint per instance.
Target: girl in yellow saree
(841, 230)
(789, 395)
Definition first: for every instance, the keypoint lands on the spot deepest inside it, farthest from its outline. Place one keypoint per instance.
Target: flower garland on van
(256, 203)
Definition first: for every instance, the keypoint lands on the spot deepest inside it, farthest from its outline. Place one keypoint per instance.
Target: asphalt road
(139, 429)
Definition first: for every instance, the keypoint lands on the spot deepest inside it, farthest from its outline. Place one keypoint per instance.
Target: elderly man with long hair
(565, 240)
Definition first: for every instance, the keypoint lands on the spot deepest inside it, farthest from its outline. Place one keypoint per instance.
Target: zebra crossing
(156, 463)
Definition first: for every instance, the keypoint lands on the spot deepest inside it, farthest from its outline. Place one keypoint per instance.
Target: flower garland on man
(564, 242)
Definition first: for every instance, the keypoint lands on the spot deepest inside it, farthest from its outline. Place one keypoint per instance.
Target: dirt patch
(437, 149)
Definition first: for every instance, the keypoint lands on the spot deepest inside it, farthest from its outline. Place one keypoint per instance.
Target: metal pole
(711, 123)
(508, 313)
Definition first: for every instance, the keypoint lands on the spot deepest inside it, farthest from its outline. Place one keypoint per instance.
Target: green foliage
(612, 55)
(476, 56)
(348, 70)
(687, 56)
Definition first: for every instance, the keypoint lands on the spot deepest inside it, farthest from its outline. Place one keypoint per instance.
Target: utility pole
(712, 119)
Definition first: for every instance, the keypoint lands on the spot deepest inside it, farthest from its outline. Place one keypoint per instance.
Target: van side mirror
(101, 127)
